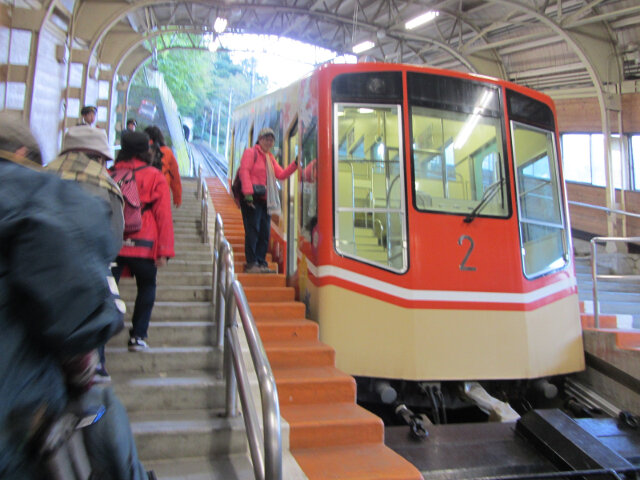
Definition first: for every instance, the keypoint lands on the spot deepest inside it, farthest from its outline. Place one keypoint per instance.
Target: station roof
(556, 46)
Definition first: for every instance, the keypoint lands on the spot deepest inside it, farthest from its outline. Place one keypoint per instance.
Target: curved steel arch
(595, 78)
(150, 35)
(339, 20)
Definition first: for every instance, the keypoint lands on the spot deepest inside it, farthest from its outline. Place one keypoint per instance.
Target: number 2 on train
(463, 265)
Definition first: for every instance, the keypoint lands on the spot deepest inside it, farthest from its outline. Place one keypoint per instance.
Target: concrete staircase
(329, 435)
(174, 392)
(616, 297)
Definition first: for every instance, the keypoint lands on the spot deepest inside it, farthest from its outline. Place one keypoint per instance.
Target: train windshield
(369, 193)
(457, 146)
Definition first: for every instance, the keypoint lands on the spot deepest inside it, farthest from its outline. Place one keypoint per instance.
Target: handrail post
(594, 276)
(220, 294)
(231, 391)
(199, 184)
(204, 213)
(217, 237)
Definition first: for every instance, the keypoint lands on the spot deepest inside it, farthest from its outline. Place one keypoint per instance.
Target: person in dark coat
(152, 246)
(58, 303)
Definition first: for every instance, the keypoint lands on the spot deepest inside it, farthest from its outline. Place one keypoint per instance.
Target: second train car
(426, 229)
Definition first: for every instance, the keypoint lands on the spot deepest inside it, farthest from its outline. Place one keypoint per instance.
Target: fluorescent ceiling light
(220, 25)
(363, 46)
(472, 121)
(365, 110)
(421, 19)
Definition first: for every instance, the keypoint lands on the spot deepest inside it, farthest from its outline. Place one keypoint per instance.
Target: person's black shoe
(151, 475)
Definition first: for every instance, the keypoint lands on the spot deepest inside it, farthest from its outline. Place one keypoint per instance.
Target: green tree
(200, 82)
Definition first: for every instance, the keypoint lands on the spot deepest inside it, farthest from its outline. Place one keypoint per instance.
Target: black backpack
(156, 156)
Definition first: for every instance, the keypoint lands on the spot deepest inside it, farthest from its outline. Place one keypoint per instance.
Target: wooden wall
(594, 221)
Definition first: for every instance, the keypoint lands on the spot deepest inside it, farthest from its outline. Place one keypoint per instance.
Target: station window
(583, 158)
(634, 154)
(369, 185)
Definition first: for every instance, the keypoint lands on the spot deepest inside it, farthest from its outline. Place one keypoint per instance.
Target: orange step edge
(331, 437)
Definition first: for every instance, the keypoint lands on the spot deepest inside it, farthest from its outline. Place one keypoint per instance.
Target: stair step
(166, 278)
(177, 310)
(322, 425)
(175, 435)
(628, 340)
(262, 279)
(266, 294)
(193, 255)
(178, 265)
(239, 266)
(184, 333)
(297, 352)
(181, 392)
(365, 461)
(268, 310)
(288, 329)
(191, 247)
(172, 293)
(231, 467)
(307, 385)
(162, 359)
(239, 256)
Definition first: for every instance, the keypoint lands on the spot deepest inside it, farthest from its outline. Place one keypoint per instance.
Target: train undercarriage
(505, 430)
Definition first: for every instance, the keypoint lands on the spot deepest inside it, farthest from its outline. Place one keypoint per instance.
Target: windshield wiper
(488, 194)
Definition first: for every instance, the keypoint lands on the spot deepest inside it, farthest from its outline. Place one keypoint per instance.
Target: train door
(292, 204)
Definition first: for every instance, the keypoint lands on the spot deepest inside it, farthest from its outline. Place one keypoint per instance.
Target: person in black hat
(88, 113)
(131, 125)
(151, 246)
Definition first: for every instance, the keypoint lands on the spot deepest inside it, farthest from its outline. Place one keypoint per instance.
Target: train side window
(309, 179)
(241, 140)
(369, 184)
(542, 225)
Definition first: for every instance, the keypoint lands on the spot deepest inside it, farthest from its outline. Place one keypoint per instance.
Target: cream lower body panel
(376, 339)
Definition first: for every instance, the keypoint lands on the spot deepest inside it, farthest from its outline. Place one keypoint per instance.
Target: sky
(280, 59)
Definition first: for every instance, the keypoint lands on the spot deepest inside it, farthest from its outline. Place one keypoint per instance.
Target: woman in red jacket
(151, 246)
(170, 168)
(256, 219)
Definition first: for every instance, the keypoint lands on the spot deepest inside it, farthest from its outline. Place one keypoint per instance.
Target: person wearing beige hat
(84, 154)
(256, 166)
(82, 159)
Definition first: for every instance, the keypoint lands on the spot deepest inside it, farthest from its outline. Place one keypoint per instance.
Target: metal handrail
(269, 466)
(605, 209)
(202, 193)
(229, 297)
(594, 271)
